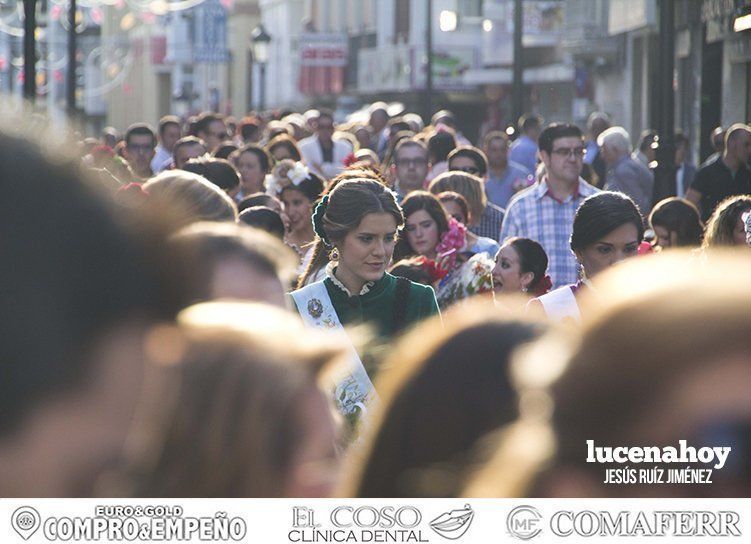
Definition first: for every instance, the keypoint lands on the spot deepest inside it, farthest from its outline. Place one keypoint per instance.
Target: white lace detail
(330, 273)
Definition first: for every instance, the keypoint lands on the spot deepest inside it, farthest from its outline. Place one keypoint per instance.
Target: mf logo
(524, 522)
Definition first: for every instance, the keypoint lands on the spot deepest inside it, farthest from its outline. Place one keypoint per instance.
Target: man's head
(597, 122)
(211, 129)
(495, 146)
(140, 142)
(220, 172)
(468, 159)
(410, 165)
(395, 126)
(237, 262)
(169, 131)
(75, 304)
(738, 143)
(562, 151)
(530, 124)
(110, 136)
(717, 138)
(646, 144)
(443, 117)
(379, 117)
(615, 143)
(187, 148)
(325, 126)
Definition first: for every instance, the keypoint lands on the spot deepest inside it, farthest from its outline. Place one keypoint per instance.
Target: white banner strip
(465, 521)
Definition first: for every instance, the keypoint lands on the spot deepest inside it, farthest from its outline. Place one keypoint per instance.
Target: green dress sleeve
(424, 303)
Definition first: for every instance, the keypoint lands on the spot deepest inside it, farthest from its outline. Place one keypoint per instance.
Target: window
(401, 21)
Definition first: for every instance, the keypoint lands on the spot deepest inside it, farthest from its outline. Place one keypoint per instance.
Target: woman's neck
(301, 237)
(351, 281)
(253, 187)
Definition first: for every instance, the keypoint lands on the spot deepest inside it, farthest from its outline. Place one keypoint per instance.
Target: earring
(334, 255)
(524, 289)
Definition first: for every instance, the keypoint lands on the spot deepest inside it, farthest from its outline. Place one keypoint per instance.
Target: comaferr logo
(524, 522)
(641, 523)
(454, 524)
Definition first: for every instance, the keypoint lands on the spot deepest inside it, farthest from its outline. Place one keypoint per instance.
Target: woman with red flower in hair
(521, 267)
(441, 242)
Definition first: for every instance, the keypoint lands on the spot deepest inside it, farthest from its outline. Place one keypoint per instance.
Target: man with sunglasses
(545, 211)
(625, 173)
(470, 160)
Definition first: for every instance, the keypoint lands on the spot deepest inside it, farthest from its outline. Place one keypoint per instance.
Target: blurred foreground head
(233, 408)
(80, 280)
(664, 356)
(236, 262)
(441, 392)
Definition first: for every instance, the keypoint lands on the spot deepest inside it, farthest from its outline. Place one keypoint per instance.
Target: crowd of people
(287, 306)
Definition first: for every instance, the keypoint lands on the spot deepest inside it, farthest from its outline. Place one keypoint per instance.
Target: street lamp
(260, 41)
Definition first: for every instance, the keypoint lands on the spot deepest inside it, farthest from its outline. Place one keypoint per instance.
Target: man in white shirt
(324, 155)
(169, 133)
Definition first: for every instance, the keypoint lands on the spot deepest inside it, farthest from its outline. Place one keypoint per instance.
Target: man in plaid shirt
(545, 211)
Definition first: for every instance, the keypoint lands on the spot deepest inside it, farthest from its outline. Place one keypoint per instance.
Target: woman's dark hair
(416, 201)
(440, 145)
(680, 216)
(311, 187)
(89, 266)
(723, 220)
(348, 203)
(412, 269)
(220, 172)
(264, 159)
(532, 258)
(264, 218)
(602, 213)
(284, 140)
(224, 150)
(459, 200)
(256, 199)
(444, 391)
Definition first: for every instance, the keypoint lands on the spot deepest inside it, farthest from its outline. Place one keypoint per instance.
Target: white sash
(560, 304)
(353, 388)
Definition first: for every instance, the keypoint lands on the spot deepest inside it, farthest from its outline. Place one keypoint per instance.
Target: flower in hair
(543, 286)
(452, 243)
(285, 174)
(350, 159)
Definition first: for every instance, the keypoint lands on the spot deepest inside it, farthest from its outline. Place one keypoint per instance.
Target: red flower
(350, 159)
(435, 272)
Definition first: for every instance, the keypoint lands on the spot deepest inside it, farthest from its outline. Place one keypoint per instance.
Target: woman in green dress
(358, 223)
